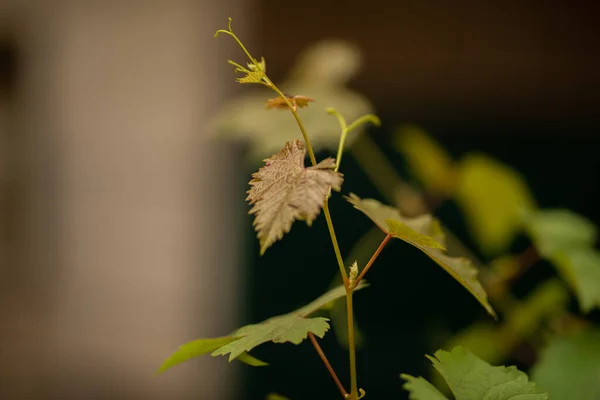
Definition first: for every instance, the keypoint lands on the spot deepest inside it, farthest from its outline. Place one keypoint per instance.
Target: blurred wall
(121, 232)
(455, 60)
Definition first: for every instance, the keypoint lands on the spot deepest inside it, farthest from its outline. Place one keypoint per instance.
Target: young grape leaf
(292, 327)
(283, 190)
(569, 368)
(567, 239)
(493, 197)
(424, 233)
(252, 77)
(471, 378)
(420, 389)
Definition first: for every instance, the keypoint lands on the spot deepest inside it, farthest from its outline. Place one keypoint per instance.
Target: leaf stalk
(327, 365)
(373, 258)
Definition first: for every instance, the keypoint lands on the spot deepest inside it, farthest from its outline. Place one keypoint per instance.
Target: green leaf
(471, 378)
(284, 190)
(421, 389)
(559, 229)
(252, 77)
(327, 298)
(569, 368)
(494, 342)
(548, 300)
(293, 327)
(493, 198)
(401, 231)
(567, 240)
(424, 233)
(246, 358)
(275, 396)
(427, 160)
(195, 348)
(581, 269)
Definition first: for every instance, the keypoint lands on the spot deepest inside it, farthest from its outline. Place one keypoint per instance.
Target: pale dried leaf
(284, 190)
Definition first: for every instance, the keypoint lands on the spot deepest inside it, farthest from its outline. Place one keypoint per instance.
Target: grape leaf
(493, 197)
(569, 368)
(275, 396)
(424, 233)
(284, 190)
(251, 77)
(321, 72)
(420, 389)
(428, 161)
(494, 342)
(580, 267)
(292, 327)
(288, 328)
(559, 229)
(193, 349)
(471, 378)
(249, 359)
(567, 239)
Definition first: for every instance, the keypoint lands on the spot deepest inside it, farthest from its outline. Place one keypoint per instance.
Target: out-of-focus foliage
(495, 342)
(428, 161)
(498, 205)
(567, 240)
(492, 195)
(471, 378)
(321, 73)
(275, 396)
(569, 368)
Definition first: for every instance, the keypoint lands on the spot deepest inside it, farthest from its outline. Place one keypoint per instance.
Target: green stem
(313, 160)
(361, 120)
(336, 247)
(340, 152)
(311, 153)
(351, 345)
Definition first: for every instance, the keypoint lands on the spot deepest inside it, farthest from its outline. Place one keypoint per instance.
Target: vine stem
(351, 344)
(373, 258)
(327, 364)
(292, 108)
(313, 160)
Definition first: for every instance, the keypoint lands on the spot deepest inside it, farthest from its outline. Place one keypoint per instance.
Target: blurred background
(123, 227)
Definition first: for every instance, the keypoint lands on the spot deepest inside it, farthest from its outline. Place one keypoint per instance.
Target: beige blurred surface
(120, 225)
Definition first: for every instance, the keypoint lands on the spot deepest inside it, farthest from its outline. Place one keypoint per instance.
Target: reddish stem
(328, 365)
(372, 260)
